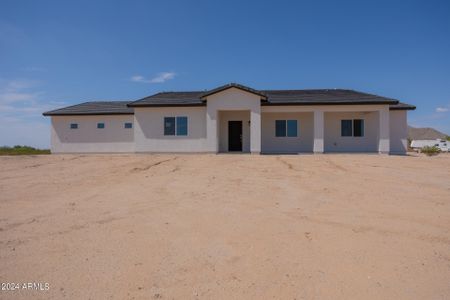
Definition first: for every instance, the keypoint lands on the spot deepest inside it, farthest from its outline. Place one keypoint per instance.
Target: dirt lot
(226, 226)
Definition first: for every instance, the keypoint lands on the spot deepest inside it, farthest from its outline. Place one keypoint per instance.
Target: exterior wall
(149, 130)
(334, 142)
(398, 131)
(224, 117)
(88, 138)
(319, 128)
(229, 100)
(302, 143)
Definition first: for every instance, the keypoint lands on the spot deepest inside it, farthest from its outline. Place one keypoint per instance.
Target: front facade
(235, 118)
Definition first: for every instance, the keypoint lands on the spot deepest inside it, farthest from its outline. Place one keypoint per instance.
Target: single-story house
(235, 118)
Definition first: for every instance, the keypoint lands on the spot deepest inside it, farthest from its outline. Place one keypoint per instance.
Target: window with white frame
(286, 128)
(353, 127)
(177, 126)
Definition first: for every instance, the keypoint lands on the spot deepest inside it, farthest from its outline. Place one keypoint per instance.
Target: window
(346, 128)
(100, 125)
(169, 126)
(181, 125)
(291, 128)
(73, 126)
(280, 128)
(358, 127)
(352, 127)
(176, 126)
(285, 128)
(128, 125)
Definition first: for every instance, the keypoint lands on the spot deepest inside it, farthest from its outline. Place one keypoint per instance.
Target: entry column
(255, 130)
(318, 131)
(384, 136)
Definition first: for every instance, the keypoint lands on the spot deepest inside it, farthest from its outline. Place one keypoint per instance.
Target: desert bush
(22, 150)
(430, 150)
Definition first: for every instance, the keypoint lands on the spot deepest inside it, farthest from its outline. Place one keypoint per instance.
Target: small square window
(100, 125)
(128, 125)
(73, 126)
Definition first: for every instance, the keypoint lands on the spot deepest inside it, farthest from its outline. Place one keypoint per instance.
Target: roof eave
(329, 103)
(412, 107)
(51, 114)
(167, 105)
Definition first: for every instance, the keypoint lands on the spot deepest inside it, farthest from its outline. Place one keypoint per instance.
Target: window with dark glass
(73, 126)
(182, 124)
(285, 128)
(169, 126)
(128, 125)
(100, 125)
(176, 126)
(346, 128)
(291, 128)
(280, 128)
(358, 127)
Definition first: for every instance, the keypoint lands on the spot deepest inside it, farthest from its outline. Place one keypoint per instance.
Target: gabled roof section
(94, 108)
(170, 99)
(234, 85)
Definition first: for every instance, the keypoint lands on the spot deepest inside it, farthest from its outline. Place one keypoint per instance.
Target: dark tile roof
(402, 106)
(94, 108)
(323, 96)
(170, 99)
(271, 97)
(197, 98)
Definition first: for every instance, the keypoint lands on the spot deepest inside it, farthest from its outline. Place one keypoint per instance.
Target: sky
(59, 53)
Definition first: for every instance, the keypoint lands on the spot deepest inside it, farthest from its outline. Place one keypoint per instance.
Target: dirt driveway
(226, 226)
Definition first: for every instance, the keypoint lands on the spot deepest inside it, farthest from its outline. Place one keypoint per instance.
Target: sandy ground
(226, 226)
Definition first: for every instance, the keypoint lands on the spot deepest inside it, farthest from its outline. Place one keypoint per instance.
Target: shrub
(22, 150)
(430, 150)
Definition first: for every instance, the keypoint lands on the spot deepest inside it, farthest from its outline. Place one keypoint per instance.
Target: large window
(285, 128)
(352, 127)
(176, 126)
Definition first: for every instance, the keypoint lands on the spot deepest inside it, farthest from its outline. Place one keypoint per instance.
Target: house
(235, 118)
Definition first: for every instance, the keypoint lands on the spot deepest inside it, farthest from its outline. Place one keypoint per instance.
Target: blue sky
(58, 53)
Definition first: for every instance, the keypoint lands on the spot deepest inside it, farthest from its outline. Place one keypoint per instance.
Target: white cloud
(442, 109)
(21, 108)
(160, 78)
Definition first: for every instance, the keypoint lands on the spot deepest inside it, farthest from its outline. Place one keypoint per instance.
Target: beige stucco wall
(302, 143)
(149, 130)
(398, 131)
(224, 117)
(88, 138)
(334, 142)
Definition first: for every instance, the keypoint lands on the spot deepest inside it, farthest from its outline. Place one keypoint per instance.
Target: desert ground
(226, 226)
